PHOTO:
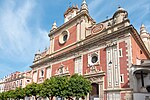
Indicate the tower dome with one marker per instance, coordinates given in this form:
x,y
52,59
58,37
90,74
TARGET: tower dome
x,y
145,36
120,10
143,29
120,15
143,32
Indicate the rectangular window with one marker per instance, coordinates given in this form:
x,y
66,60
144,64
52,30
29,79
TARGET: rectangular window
x,y
120,53
17,83
122,78
42,73
78,65
48,72
35,77
141,52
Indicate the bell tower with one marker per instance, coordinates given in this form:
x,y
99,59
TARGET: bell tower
x,y
70,13
145,36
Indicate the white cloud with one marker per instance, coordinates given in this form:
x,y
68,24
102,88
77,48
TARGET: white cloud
x,y
14,29
19,40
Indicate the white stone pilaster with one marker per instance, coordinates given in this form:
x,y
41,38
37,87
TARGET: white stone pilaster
x,y
83,29
78,31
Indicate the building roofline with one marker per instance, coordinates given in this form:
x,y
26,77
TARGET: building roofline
x,y
140,42
86,42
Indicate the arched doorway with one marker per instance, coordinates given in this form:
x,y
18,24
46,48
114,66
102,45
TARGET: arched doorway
x,y
95,91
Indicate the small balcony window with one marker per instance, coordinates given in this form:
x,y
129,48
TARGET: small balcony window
x,y
42,73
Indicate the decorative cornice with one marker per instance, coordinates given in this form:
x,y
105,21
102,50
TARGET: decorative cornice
x,y
118,89
99,73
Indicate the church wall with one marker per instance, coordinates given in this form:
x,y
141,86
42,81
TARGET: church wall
x,y
41,77
100,65
123,65
103,65
65,50
71,39
37,75
137,53
68,65
114,49
85,63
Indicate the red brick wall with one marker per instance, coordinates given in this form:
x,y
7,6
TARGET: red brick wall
x,y
86,68
103,65
123,64
45,73
85,63
39,76
72,39
68,63
136,51
65,50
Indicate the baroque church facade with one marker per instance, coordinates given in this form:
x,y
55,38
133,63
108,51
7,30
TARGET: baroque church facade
x,y
111,54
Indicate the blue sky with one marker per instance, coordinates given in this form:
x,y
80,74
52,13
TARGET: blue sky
x,y
25,24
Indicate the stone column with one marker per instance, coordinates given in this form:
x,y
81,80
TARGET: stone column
x,y
83,28
51,44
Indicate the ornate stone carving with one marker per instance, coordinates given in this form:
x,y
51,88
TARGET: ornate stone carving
x,y
98,28
96,79
62,71
95,75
